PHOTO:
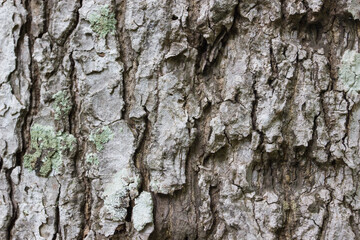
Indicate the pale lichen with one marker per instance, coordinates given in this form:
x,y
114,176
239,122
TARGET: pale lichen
x,y
117,193
143,211
92,158
101,136
349,72
103,22
46,149
354,8
62,104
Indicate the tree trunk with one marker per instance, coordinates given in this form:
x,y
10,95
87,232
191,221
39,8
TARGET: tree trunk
x,y
186,119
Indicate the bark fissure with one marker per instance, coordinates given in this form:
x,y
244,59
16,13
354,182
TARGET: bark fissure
x,y
25,30
57,233
14,214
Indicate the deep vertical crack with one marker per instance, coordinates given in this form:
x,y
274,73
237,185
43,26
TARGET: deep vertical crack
x,y
25,30
325,222
57,215
14,215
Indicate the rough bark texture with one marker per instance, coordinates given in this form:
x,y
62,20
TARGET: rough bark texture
x,y
186,119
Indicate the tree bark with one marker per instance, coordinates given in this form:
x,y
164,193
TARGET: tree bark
x,y
186,119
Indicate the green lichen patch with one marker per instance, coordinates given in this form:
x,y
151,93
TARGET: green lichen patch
x,y
349,72
101,136
92,158
46,149
103,22
62,104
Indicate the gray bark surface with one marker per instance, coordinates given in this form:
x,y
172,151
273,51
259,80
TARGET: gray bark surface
x,y
186,119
